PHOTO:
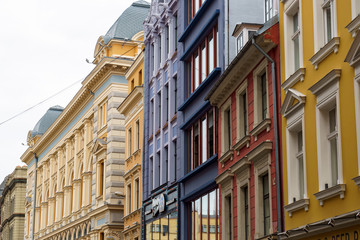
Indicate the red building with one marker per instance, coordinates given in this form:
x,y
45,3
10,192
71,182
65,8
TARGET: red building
x,y
249,154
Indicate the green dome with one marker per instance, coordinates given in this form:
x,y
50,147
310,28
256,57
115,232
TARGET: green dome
x,y
129,23
45,122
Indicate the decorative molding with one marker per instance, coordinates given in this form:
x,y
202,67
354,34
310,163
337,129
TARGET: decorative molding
x,y
225,177
226,157
264,124
331,46
318,87
262,149
354,26
337,190
244,141
288,107
298,205
297,76
357,181
240,165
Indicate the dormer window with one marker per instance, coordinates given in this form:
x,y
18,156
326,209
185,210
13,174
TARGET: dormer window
x,y
243,32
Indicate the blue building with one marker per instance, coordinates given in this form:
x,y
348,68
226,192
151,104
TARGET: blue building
x,y
160,172
200,49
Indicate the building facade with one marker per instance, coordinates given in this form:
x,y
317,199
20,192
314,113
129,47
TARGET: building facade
x,y
161,163
201,42
12,201
76,155
132,109
319,55
249,176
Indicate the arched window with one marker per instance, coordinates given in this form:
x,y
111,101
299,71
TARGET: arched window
x,y
79,232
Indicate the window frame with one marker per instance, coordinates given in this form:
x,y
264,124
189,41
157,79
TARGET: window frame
x,y
261,70
242,125
226,127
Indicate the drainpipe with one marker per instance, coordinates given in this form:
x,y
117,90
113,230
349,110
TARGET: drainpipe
x,y
276,130
35,176
227,34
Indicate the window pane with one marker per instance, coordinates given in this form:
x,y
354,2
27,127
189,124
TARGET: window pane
x,y
173,226
196,71
266,203
203,140
301,177
246,213
156,229
210,134
196,146
328,23
203,62
211,52
213,214
332,120
334,161
197,223
205,215
164,235
263,96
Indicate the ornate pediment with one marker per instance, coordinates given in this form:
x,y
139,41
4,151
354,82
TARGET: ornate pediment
x,y
99,145
353,56
293,100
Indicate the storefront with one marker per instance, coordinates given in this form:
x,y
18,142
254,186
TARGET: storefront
x,y
161,215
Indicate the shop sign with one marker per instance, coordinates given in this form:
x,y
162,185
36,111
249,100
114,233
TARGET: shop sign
x,y
158,204
350,235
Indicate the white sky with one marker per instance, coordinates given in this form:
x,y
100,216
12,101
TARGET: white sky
x,y
43,47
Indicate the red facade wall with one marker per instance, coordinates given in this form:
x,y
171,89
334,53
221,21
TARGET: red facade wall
x,y
273,35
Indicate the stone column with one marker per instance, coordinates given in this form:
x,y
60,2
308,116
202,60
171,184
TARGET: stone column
x,y
59,199
43,215
51,203
87,188
37,216
67,186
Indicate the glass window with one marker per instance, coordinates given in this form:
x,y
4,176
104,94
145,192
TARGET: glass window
x,y
295,38
266,203
263,95
268,10
332,137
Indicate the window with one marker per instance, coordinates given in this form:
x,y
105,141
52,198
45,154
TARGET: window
x,y
202,61
260,94
102,115
268,10
159,51
175,159
226,127
240,42
159,110
101,178
266,203
175,95
246,215
151,120
166,103
228,217
140,78
355,7
132,85
332,138
295,38
193,6
151,174
130,141
128,196
137,193
204,216
166,153
167,41
137,129
176,32
243,113
158,174
328,14
201,140
152,62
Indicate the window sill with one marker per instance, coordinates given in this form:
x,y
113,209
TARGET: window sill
x,y
173,118
132,214
299,75
165,125
151,138
265,124
157,132
244,141
331,46
228,155
298,205
337,190
357,180
195,171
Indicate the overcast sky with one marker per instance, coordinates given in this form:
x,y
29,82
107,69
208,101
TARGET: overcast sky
x,y
43,47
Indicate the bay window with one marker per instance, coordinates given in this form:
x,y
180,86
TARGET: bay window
x,y
201,140
202,61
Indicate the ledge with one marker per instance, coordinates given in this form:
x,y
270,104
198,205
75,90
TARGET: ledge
x,y
354,26
195,116
194,20
262,149
299,75
298,205
337,190
228,155
244,141
264,124
325,81
214,73
357,180
203,166
240,165
224,177
132,214
331,46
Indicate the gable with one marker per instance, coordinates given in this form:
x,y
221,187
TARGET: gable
x,y
353,56
293,100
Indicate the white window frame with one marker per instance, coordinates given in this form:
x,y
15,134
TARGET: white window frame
x,y
239,111
240,41
262,167
225,107
263,67
357,111
320,29
242,180
327,99
295,123
291,8
355,8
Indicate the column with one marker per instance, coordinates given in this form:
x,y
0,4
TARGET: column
x,y
67,186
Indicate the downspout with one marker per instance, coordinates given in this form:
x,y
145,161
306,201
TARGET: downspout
x,y
35,176
227,35
276,130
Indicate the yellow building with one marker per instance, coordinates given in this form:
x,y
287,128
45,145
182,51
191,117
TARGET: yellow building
x,y
76,155
321,122
12,200
132,109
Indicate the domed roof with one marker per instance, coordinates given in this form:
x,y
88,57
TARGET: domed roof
x,y
45,122
130,22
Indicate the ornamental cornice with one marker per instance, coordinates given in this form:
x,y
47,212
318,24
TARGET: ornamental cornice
x,y
105,68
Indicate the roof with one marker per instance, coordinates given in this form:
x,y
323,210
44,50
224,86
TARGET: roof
x,y
130,22
2,185
45,122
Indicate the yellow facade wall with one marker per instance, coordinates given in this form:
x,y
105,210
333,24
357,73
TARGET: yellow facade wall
x,y
334,206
